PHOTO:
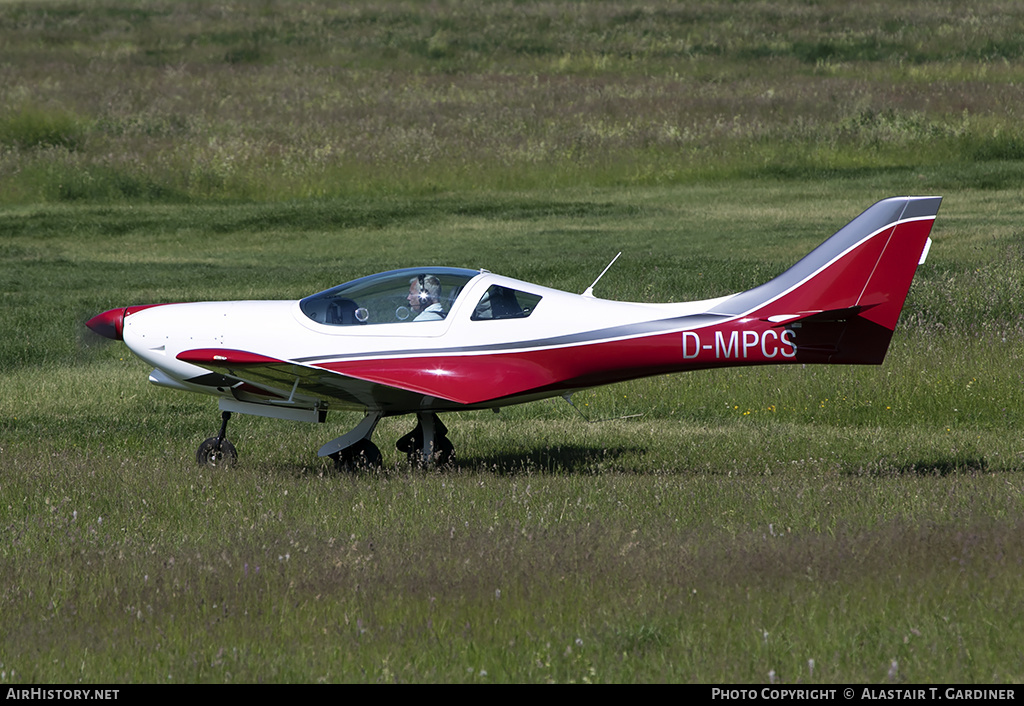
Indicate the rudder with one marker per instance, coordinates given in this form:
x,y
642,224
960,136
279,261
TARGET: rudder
x,y
844,298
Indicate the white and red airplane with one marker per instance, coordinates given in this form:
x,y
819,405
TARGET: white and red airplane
x,y
426,340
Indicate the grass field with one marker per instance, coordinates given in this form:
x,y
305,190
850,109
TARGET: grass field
x,y
786,525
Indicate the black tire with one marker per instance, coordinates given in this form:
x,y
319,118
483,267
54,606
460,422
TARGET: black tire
x,y
444,453
362,455
216,454
411,441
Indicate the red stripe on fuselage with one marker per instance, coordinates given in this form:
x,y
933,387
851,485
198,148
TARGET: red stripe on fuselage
x,y
473,379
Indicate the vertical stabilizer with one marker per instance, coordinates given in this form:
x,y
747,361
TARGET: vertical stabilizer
x,y
844,298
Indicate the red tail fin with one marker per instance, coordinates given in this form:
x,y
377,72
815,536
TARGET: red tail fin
x,y
843,300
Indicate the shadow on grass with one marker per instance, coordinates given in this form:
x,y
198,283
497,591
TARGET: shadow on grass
x,y
931,467
568,459
560,460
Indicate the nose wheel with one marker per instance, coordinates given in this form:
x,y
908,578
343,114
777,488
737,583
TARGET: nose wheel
x,y
217,452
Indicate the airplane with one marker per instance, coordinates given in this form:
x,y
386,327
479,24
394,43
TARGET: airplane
x,y
429,340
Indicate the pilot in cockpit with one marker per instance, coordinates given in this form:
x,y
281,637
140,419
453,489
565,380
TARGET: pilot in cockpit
x,y
425,298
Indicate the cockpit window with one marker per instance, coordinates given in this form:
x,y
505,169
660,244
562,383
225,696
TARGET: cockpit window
x,y
504,303
414,294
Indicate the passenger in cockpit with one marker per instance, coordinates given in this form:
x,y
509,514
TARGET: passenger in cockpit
x,y
425,298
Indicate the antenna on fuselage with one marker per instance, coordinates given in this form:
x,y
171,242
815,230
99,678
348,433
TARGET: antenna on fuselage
x,y
590,289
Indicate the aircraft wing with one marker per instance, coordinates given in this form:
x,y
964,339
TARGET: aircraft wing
x,y
395,384
294,380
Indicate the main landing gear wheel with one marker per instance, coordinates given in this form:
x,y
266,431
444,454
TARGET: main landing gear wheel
x,y
218,452
362,455
412,444
444,452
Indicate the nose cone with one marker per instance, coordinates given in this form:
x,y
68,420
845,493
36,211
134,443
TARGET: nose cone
x,y
109,324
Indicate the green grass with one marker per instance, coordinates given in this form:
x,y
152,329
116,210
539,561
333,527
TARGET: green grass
x,y
858,516
789,524
157,572
113,101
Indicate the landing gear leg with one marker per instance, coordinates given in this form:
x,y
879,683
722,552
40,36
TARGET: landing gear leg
x,y
218,452
354,451
428,443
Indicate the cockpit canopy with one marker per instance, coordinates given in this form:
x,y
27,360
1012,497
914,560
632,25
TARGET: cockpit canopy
x,y
411,294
